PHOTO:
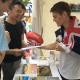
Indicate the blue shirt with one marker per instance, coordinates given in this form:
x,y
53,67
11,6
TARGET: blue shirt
x,y
3,39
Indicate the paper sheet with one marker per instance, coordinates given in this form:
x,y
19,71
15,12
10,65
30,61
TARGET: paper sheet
x,y
30,47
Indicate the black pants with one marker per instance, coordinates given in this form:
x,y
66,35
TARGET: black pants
x,y
9,69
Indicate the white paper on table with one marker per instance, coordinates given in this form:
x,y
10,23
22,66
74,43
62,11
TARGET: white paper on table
x,y
30,47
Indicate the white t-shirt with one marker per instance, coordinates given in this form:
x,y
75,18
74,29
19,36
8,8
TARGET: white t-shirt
x,y
69,66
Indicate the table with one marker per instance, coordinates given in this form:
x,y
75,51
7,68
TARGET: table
x,y
48,62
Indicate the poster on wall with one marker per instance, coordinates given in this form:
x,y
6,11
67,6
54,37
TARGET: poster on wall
x,y
28,17
75,7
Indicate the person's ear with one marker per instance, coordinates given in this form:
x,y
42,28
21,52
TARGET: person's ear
x,y
64,14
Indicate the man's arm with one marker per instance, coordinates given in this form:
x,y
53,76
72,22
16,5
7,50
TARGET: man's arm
x,y
15,52
2,55
51,46
54,46
24,43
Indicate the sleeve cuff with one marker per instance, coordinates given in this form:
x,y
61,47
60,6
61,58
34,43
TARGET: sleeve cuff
x,y
66,48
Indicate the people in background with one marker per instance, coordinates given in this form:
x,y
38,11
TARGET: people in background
x,y
67,41
14,26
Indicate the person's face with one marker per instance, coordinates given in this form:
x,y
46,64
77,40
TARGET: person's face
x,y
5,5
17,12
58,18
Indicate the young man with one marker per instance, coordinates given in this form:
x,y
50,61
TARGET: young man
x,y
14,26
67,41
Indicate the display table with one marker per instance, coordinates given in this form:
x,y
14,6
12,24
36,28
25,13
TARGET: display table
x,y
53,68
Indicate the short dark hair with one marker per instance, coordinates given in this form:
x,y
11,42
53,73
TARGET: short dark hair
x,y
60,7
4,1
17,3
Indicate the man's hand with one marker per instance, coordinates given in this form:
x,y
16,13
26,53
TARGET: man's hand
x,y
34,43
58,47
17,52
